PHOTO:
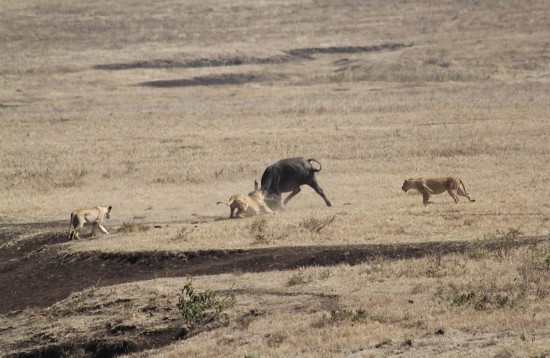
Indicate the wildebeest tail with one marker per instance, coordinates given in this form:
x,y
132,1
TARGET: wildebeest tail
x,y
313,160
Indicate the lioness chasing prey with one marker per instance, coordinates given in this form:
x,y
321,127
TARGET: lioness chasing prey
x,y
428,186
247,205
254,203
86,217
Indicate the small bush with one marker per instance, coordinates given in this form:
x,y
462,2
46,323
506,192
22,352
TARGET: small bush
x,y
481,301
202,307
263,233
299,278
503,243
342,315
258,229
463,298
183,233
133,227
74,179
245,321
274,340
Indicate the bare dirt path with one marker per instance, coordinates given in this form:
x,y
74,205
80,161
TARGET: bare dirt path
x,y
35,273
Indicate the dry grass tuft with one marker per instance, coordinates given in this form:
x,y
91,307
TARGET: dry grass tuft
x,y
264,231
132,227
315,224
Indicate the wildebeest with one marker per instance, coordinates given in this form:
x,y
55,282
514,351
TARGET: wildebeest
x,y
287,175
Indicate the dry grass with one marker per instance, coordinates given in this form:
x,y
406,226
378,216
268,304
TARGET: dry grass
x,y
465,93
379,308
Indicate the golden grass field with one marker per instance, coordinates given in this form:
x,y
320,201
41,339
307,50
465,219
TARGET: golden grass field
x,y
161,109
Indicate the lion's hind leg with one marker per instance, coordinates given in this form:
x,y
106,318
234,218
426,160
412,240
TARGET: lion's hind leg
x,y
240,213
76,226
462,192
452,193
241,210
71,228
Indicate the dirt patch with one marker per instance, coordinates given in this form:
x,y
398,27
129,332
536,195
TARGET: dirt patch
x,y
115,341
214,80
36,273
195,63
308,51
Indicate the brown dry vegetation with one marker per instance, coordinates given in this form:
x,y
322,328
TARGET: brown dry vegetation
x,y
161,109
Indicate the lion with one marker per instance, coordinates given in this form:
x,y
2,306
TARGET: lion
x,y
86,217
428,186
247,205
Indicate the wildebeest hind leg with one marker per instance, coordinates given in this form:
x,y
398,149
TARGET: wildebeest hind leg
x,y
275,202
320,191
292,195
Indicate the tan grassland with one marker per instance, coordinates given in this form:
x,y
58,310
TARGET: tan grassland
x,y
163,108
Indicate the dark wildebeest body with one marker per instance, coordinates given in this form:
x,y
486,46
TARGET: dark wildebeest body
x,y
287,175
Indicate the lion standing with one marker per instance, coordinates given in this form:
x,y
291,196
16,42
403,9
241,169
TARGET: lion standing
x,y
428,186
90,216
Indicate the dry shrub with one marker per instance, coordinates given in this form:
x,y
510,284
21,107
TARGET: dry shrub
x,y
274,340
263,232
202,307
299,278
187,177
404,72
132,227
511,277
341,315
47,179
74,179
183,233
314,224
302,276
246,319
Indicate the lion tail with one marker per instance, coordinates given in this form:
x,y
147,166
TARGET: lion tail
x,y
224,202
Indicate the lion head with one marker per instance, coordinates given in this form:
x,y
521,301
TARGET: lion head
x,y
408,184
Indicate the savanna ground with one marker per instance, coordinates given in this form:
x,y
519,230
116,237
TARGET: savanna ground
x,y
161,109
